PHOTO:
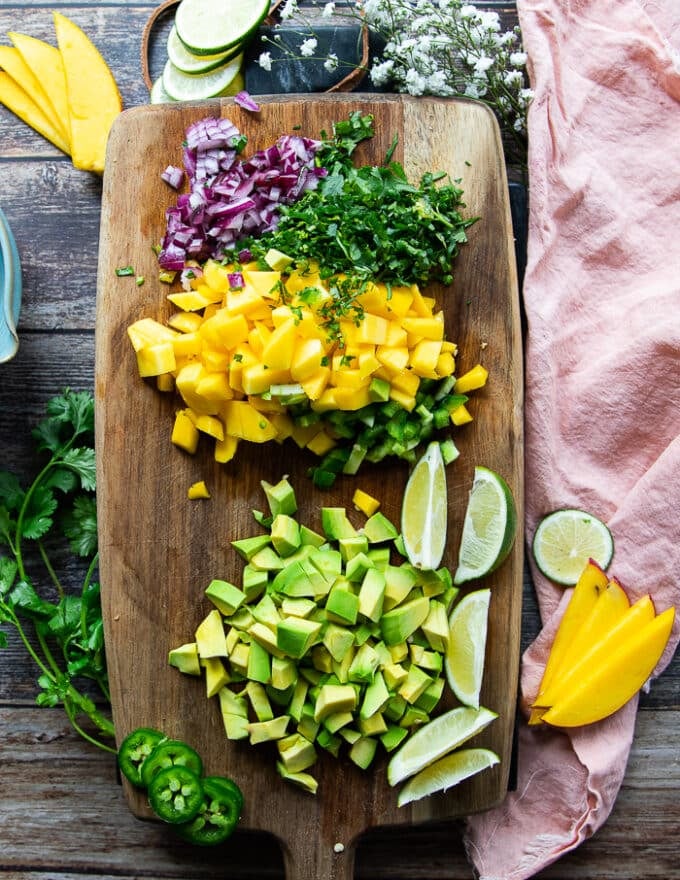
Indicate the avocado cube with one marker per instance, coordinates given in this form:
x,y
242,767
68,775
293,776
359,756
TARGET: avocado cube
x,y
364,664
329,741
253,582
297,752
265,637
216,675
337,721
308,537
436,627
416,683
235,726
304,781
413,717
399,581
350,734
379,529
285,534
319,582
342,604
210,636
356,568
337,640
430,661
185,658
399,546
375,696
277,260
379,390
321,658
328,563
248,547
372,594
295,635
335,523
266,612
259,664
394,708
393,737
280,497
373,726
449,597
232,704
431,582
292,580
398,652
239,658
265,731
341,669
241,619
401,622
362,633
259,701
431,696
334,698
363,752
297,606
297,700
395,675
267,559
380,557
225,597
383,652
351,547
307,726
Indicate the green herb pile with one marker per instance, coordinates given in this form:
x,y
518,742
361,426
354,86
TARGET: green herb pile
x,y
369,221
63,634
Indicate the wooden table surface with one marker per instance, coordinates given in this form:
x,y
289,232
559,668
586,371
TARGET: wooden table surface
x,y
62,812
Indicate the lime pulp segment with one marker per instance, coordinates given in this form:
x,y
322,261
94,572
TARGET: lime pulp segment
x,y
564,542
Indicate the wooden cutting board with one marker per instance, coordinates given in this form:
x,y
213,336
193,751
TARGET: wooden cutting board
x,y
158,550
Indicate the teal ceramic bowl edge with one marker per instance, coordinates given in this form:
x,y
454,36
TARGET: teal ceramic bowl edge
x,y
10,291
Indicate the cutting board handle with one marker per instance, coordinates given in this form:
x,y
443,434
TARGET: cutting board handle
x,y
307,857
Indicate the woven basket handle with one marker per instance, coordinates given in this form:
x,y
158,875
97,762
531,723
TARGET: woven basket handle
x,y
346,84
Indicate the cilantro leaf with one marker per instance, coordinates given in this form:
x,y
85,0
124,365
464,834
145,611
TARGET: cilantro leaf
x,y
80,525
37,519
82,462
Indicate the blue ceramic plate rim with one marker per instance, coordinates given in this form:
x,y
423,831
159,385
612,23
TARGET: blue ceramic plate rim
x,y
10,291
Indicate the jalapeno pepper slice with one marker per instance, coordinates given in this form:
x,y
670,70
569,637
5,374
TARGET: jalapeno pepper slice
x,y
176,794
218,814
135,749
170,753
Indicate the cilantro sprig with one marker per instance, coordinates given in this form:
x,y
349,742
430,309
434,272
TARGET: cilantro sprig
x,y
64,636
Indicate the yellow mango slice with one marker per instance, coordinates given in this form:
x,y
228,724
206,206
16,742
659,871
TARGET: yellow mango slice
x,y
12,62
23,106
588,587
93,97
618,678
636,616
48,67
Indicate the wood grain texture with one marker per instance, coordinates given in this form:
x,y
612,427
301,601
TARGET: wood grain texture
x,y
158,552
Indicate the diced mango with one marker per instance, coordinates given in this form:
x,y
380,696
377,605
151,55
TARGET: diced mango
x,y
184,433
185,322
372,329
210,425
245,422
153,360
472,380
424,357
224,330
215,387
461,415
364,502
321,443
198,490
225,449
306,359
146,331
266,284
278,351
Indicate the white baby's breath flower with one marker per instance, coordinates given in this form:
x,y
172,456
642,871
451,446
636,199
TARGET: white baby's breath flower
x,y
415,82
468,11
381,73
331,63
265,61
508,38
483,64
308,47
288,10
513,78
518,59
328,10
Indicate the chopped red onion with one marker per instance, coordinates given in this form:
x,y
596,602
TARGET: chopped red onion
x,y
173,176
244,99
236,281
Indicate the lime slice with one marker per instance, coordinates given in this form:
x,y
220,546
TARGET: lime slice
x,y
564,542
447,773
158,95
187,62
437,738
424,511
207,27
464,660
488,528
197,87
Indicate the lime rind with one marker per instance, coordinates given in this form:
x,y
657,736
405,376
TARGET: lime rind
x,y
187,62
207,27
446,773
424,511
489,526
566,539
436,739
465,655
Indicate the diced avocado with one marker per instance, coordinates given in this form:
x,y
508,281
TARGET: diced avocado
x,y
248,547
297,701
342,605
399,623
399,546
285,534
279,697
350,734
356,455
335,722
335,523
318,581
431,696
185,658
334,698
235,726
242,619
267,559
295,635
232,704
413,717
378,529
259,664
375,696
373,726
395,675
449,597
265,637
239,658
395,708
328,563
280,497
265,731
338,640
329,741
307,726
393,737
265,611
210,636
398,651
399,581
277,260
363,752
350,547
259,701
383,652
304,781
322,658
232,639
429,661
436,626
216,675
364,664
297,753
225,596
372,594
363,633
253,582
308,537
449,450
380,557
357,566
416,683
294,606
293,580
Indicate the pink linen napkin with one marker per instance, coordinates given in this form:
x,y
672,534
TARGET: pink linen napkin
x,y
602,298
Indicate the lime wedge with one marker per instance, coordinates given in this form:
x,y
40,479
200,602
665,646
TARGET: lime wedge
x,y
207,27
424,511
437,738
464,660
197,87
447,773
488,528
187,62
564,542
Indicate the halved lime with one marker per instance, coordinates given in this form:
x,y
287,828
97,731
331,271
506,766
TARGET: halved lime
x,y
464,660
424,511
564,542
197,87
207,27
488,528
187,62
437,738
447,773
